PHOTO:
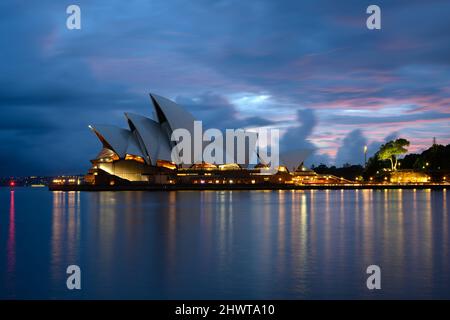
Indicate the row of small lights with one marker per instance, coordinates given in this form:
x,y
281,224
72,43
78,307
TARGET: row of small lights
x,y
216,181
385,178
63,181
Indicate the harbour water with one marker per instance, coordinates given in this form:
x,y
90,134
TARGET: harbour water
x,y
313,244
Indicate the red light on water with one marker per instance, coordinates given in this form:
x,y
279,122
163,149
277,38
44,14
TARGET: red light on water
x,y
12,183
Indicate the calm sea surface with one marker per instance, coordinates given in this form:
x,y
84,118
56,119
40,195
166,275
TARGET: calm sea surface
x,y
224,244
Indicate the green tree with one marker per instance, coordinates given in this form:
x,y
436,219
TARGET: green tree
x,y
392,149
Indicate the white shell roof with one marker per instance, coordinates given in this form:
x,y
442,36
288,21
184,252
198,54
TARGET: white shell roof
x,y
121,141
155,140
171,114
150,139
176,116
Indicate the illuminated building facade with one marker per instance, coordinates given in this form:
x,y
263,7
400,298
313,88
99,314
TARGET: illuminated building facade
x,y
408,176
142,153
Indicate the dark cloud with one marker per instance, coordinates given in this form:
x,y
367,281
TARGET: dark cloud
x,y
217,111
351,149
297,137
314,55
295,146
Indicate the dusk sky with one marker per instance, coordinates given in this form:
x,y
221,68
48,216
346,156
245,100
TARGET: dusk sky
x,y
309,68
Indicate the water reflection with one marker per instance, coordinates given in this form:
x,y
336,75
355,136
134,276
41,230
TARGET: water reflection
x,y
281,232
65,233
172,231
276,241
444,224
239,244
11,244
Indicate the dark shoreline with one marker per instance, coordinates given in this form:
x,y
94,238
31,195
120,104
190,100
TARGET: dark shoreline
x,y
203,187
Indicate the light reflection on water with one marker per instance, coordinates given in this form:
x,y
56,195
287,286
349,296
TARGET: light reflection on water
x,y
65,232
225,244
11,243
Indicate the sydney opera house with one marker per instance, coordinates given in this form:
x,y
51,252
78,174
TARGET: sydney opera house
x,y
142,154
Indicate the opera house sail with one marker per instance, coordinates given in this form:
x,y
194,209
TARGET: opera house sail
x,y
145,153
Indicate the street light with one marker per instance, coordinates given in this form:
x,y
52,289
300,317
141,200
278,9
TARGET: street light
x,y
365,156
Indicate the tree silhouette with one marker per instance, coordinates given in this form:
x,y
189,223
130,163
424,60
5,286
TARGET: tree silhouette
x,y
392,149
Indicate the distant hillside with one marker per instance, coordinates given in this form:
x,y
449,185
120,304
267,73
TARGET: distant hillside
x,y
434,161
